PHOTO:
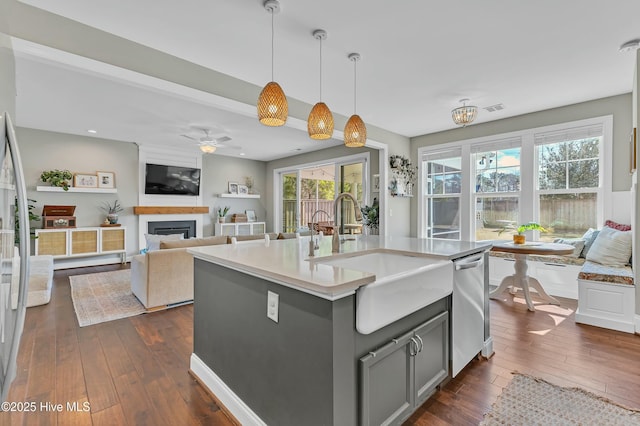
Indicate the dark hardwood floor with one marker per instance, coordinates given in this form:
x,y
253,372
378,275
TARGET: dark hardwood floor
x,y
134,371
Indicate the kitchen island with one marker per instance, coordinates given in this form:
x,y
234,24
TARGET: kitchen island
x,y
277,339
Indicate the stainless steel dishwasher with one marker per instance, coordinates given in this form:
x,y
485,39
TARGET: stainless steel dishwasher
x,y
467,320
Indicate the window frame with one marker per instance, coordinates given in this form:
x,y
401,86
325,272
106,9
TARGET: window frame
x,y
529,204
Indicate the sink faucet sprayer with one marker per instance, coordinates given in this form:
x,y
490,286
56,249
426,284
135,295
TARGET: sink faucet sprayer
x,y
335,243
313,244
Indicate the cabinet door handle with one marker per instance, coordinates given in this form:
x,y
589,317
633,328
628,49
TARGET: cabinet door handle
x,y
421,343
411,347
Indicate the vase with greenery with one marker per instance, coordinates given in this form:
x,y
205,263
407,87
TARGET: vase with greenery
x,y
519,237
371,217
59,178
222,212
112,211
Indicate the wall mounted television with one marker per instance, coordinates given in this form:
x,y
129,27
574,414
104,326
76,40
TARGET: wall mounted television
x,y
171,180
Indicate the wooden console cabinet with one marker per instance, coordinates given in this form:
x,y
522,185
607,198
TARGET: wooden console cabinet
x,y
81,242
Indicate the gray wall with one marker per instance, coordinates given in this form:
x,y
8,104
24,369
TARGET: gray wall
x,y
43,150
217,172
311,157
7,77
618,106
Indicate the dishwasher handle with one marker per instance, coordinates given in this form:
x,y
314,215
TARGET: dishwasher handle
x,y
469,265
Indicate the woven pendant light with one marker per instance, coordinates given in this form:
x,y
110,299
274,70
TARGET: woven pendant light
x,y
355,132
320,121
273,108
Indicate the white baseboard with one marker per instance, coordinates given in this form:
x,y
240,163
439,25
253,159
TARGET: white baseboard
x,y
637,323
224,394
627,327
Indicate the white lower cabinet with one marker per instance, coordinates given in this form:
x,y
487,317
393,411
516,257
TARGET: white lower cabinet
x,y
240,228
398,377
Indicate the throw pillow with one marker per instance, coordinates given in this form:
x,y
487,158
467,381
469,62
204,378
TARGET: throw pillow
x,y
618,226
153,240
589,237
611,248
577,243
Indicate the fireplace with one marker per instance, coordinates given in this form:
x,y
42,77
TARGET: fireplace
x,y
166,227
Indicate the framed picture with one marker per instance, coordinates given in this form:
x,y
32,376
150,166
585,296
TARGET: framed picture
x,y
243,189
106,179
233,187
376,183
251,215
81,180
632,150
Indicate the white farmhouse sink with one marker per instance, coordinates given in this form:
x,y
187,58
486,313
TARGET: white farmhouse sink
x,y
403,285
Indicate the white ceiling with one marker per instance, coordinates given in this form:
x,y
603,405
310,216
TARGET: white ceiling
x,y
418,59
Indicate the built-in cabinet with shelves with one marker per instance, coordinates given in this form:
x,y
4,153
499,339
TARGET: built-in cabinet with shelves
x,y
81,242
241,228
398,377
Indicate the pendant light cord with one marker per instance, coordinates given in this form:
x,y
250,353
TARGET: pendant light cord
x,y
320,69
272,44
355,82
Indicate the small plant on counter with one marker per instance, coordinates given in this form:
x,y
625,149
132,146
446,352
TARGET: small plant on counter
x,y
59,178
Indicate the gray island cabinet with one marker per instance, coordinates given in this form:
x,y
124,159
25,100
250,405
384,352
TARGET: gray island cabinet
x,y
308,364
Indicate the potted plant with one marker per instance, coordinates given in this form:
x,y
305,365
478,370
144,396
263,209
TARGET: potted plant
x,y
112,211
59,178
519,237
371,217
32,218
222,212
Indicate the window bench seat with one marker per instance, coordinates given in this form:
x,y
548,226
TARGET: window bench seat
x,y
606,297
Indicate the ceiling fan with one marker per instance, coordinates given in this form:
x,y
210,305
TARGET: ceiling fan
x,y
208,143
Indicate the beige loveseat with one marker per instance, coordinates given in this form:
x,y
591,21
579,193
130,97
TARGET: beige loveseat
x,y
165,277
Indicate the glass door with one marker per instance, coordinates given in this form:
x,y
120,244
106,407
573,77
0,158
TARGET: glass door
x,y
289,202
350,180
14,253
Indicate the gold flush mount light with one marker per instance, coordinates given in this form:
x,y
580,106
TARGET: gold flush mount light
x,y
273,108
320,121
465,114
355,132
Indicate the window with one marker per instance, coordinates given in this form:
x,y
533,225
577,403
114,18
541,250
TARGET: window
x,y
568,181
497,188
558,176
443,186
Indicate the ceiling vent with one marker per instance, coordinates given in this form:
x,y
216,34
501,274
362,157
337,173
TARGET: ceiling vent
x,y
494,108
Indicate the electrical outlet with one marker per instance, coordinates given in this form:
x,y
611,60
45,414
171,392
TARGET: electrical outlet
x,y
272,305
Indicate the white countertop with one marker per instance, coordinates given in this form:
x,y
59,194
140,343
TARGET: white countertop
x,y
287,262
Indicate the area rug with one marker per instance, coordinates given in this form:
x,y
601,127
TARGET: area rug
x,y
532,401
104,296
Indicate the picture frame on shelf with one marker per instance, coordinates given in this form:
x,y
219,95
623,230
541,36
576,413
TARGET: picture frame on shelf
x,y
251,215
106,179
233,187
243,189
85,180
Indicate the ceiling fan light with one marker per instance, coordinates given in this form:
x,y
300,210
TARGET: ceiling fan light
x,y
465,114
207,149
355,132
320,122
273,108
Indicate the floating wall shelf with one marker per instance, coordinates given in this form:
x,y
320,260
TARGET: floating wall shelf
x,y
239,195
72,189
